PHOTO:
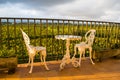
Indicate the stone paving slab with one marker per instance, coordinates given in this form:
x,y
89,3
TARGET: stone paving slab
x,y
106,70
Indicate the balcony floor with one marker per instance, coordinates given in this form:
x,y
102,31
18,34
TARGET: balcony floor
x,y
108,69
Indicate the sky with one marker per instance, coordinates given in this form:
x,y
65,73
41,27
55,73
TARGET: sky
x,y
101,10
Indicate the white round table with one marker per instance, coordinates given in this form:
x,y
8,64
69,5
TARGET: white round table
x,y
66,59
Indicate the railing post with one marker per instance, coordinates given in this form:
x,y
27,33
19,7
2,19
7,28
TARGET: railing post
x,y
46,32
52,36
63,34
57,49
86,25
82,26
40,34
0,34
68,27
119,31
15,34
90,24
8,34
28,25
78,28
73,30
63,26
34,32
105,36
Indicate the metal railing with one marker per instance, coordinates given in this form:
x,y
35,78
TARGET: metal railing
x,y
42,32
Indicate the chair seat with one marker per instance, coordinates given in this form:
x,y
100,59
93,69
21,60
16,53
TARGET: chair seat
x,y
39,48
81,44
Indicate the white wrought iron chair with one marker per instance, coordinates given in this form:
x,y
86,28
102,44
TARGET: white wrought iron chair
x,y
89,36
32,50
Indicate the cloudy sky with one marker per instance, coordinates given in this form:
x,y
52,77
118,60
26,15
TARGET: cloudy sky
x,y
103,10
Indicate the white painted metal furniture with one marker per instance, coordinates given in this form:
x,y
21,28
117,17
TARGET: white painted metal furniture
x,y
89,36
32,50
66,59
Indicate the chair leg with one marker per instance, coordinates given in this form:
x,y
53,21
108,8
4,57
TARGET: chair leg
x,y
62,66
41,58
80,58
28,62
31,68
90,49
74,52
81,52
44,59
83,55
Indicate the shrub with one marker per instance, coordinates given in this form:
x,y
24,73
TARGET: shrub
x,y
6,53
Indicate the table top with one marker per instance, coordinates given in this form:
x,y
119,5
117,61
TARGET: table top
x,y
71,37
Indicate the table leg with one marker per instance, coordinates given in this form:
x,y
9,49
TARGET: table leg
x,y
66,58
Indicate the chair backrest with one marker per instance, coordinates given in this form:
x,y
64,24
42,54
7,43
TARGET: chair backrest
x,y
25,37
90,36
26,40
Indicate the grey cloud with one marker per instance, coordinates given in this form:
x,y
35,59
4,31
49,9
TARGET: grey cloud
x,y
35,3
92,9
110,5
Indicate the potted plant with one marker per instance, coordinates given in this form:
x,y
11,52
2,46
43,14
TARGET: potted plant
x,y
101,53
8,60
96,53
116,48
